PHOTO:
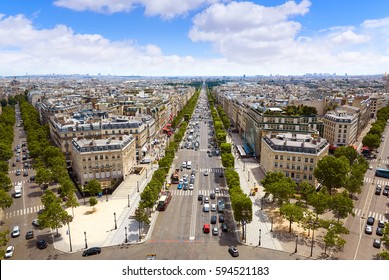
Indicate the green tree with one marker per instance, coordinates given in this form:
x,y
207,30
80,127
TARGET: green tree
x,y
43,176
332,172
279,186
4,167
291,212
228,160
54,216
306,190
93,187
5,182
141,217
373,141
348,151
355,179
341,204
333,236
320,202
5,152
72,201
225,148
93,201
5,199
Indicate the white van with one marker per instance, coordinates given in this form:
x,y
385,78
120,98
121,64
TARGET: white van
x,y
18,190
188,165
184,164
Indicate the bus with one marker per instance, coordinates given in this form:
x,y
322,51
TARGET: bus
x,y
380,172
164,200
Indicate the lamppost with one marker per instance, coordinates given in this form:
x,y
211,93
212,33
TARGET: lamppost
x,y
244,215
83,194
70,239
313,236
259,240
295,249
125,233
271,225
106,194
248,175
137,185
114,217
262,203
128,199
244,166
86,244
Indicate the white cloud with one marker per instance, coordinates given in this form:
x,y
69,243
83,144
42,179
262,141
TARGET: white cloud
x,y
349,37
165,8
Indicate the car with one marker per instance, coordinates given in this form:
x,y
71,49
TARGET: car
x,y
224,227
25,165
206,228
213,219
212,195
217,190
379,231
381,224
200,197
206,207
29,234
18,159
191,181
190,187
15,231
210,154
40,211
35,222
378,190
206,199
377,243
32,178
386,190
370,221
370,167
25,173
221,218
91,251
213,207
368,229
9,252
41,244
215,231
233,251
205,173
13,164
18,172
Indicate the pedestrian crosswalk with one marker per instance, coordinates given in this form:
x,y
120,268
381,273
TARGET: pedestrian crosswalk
x,y
21,212
382,182
378,216
176,192
23,182
212,170
382,161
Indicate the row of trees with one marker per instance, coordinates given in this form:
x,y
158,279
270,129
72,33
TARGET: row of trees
x,y
151,192
7,122
241,204
373,137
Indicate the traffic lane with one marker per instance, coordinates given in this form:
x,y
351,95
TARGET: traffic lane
x,y
191,250
367,251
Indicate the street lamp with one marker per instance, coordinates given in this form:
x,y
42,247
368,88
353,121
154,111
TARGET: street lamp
x,y
248,175
313,236
70,239
114,217
128,199
271,225
137,185
86,244
295,249
106,194
259,240
125,233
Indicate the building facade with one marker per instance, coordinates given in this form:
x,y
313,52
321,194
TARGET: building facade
x,y
340,128
295,155
104,159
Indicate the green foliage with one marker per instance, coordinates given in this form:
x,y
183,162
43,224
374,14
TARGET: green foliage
x,y
341,204
332,172
306,190
373,141
93,201
5,199
348,151
93,187
242,207
291,212
320,202
54,216
5,182
279,186
228,160
225,148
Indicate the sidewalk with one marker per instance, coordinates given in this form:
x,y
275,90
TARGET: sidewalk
x,y
108,223
267,227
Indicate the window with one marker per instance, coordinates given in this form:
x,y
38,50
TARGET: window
x,y
288,157
96,157
293,166
281,157
294,158
276,164
281,165
306,159
287,174
299,159
305,168
101,157
310,177
311,168
287,165
298,167
276,157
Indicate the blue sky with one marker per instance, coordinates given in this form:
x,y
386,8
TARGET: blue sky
x,y
194,37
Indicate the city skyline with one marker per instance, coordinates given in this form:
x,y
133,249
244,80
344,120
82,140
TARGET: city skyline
x,y
192,38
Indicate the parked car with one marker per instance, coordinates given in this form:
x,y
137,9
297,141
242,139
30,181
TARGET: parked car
x,y
35,222
379,231
15,231
377,243
386,190
32,178
41,244
233,251
221,218
200,197
215,231
213,207
378,190
91,251
368,229
213,219
9,252
370,221
18,172
224,227
381,224
29,234
212,195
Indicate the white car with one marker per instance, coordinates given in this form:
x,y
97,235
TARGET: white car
x,y
9,252
190,187
217,190
15,231
370,167
205,173
213,207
